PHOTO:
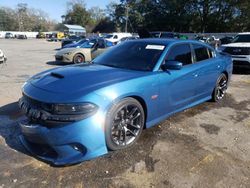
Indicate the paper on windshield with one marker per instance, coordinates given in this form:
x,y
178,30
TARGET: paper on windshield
x,y
155,47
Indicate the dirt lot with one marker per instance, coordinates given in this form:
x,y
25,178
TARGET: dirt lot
x,y
206,146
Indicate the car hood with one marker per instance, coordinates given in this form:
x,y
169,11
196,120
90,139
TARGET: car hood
x,y
238,44
81,78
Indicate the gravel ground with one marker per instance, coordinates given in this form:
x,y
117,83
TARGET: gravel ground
x,y
206,146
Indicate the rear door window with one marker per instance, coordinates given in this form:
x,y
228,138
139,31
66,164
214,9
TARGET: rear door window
x,y
181,53
202,52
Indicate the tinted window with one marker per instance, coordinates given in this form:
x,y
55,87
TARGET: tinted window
x,y
181,53
167,35
242,38
135,55
100,44
201,52
109,36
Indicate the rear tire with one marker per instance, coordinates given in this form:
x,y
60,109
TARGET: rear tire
x,y
78,58
124,124
220,88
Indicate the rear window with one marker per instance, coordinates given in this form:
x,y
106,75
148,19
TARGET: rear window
x,y
201,52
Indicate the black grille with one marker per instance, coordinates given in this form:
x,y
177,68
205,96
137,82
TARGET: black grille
x,y
43,114
32,102
59,58
241,63
237,50
37,104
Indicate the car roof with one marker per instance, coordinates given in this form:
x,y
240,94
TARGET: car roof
x,y
157,40
166,41
245,33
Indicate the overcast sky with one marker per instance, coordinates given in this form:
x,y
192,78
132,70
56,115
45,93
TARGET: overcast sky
x,y
54,8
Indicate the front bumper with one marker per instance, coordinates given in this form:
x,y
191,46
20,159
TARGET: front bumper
x,y
66,144
63,58
241,61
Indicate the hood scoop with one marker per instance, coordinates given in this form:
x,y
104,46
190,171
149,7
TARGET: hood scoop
x,y
53,74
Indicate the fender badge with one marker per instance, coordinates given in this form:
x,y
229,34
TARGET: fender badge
x,y
153,97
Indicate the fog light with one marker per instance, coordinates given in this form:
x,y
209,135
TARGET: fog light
x,y
78,147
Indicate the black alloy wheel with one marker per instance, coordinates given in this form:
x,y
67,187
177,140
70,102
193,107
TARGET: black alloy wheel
x,y
124,124
221,88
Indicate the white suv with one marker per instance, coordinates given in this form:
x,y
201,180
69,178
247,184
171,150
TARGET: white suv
x,y
239,49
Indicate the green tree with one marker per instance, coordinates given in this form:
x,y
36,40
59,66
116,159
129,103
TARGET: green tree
x,y
105,25
8,21
78,14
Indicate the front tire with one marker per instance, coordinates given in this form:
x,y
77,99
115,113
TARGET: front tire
x,y
220,88
124,124
78,58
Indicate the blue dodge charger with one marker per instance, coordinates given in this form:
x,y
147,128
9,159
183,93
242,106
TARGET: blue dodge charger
x,y
79,112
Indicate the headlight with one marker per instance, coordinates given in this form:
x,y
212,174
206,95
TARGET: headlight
x,y
68,53
74,109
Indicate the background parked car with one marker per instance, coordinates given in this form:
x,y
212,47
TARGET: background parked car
x,y
163,34
21,36
75,44
2,57
239,49
127,38
211,40
226,40
144,33
9,36
85,53
116,37
41,35
71,39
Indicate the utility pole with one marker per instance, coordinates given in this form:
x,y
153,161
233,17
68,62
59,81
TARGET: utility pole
x,y
126,26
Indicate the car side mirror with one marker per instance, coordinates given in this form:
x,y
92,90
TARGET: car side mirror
x,y
172,65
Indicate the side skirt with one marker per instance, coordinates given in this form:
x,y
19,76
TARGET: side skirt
x,y
164,117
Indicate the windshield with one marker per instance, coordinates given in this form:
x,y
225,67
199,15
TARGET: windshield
x,y
241,38
134,55
89,44
80,42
